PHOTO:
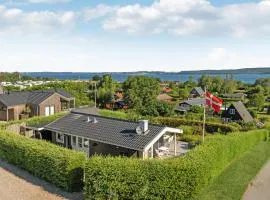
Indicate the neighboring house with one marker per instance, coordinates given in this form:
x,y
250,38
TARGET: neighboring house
x,y
165,98
187,105
16,105
166,89
238,96
196,92
237,112
107,136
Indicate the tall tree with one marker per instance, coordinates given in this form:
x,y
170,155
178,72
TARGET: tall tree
x,y
140,91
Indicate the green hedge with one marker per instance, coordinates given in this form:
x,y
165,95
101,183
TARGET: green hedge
x,y
57,165
209,126
176,178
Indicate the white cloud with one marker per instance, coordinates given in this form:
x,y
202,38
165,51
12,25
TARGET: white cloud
x,y
48,1
17,21
193,17
100,10
23,2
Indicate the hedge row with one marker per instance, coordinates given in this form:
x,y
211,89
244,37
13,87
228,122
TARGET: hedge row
x,y
176,178
57,165
209,126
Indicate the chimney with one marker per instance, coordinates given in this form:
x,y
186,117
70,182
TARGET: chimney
x,y
144,125
95,120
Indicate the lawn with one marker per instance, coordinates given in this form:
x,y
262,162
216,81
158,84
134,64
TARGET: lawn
x,y
232,183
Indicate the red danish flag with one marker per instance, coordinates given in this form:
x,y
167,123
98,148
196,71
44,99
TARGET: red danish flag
x,y
213,102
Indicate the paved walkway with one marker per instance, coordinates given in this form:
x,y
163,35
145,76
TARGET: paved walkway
x,y
259,188
17,184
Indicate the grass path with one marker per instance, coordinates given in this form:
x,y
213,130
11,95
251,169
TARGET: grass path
x,y
233,182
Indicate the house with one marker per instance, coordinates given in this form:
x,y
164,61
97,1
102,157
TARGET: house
x,y
17,105
164,98
94,134
187,105
239,96
196,92
237,112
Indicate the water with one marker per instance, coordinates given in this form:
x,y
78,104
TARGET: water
x,y
163,76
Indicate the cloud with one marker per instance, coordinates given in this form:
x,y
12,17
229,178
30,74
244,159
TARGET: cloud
x,y
100,10
192,17
17,21
48,1
22,2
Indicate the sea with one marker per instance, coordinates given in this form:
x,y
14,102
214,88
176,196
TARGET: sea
x,y
249,78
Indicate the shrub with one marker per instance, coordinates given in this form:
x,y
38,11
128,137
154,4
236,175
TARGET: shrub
x,y
209,126
60,166
176,178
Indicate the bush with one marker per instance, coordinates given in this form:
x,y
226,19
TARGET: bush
x,y
176,178
253,113
57,165
209,126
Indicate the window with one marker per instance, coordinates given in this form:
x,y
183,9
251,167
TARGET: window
x,y
59,138
232,111
86,143
80,142
74,140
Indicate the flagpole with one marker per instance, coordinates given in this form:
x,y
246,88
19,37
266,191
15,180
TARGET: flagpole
x,y
204,115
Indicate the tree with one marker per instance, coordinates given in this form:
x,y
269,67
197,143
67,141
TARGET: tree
x,y
257,97
96,78
265,83
140,91
106,88
183,93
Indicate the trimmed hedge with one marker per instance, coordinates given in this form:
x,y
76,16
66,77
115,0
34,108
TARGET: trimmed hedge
x,y
57,165
176,178
209,126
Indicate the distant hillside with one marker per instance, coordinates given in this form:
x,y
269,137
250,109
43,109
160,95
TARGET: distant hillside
x,y
231,71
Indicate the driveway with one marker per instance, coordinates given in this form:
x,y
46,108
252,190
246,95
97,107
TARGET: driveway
x,y
259,188
17,184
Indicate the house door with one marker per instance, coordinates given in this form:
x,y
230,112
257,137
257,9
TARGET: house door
x,y
52,110
47,111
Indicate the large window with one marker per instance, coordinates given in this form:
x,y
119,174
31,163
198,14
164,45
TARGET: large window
x,y
74,140
80,142
59,138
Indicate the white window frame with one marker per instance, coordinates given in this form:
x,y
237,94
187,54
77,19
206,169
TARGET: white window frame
x,y
232,111
61,140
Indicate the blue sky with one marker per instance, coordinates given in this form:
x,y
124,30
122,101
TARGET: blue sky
x,y
129,35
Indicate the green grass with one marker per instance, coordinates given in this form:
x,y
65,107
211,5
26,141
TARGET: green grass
x,y
113,114
232,183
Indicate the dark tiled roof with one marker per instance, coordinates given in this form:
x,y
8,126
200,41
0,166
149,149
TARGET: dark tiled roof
x,y
199,90
195,102
243,112
64,93
28,97
107,130
235,95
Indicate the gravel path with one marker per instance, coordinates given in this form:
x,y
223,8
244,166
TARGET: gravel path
x,y
259,188
17,184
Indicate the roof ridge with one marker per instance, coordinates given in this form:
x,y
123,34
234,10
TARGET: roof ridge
x,y
113,118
